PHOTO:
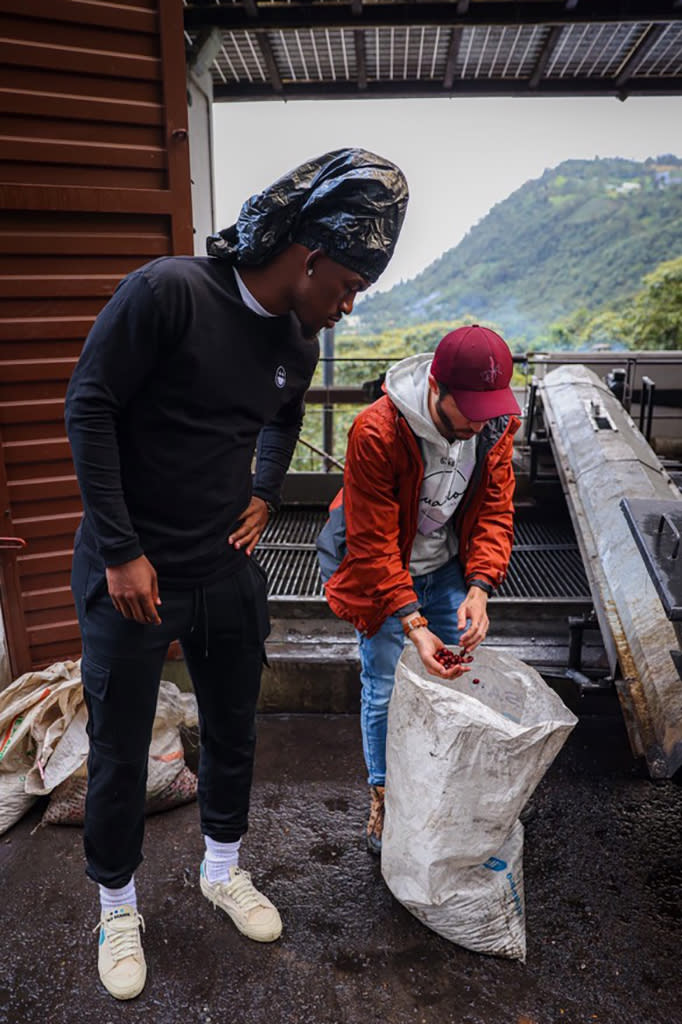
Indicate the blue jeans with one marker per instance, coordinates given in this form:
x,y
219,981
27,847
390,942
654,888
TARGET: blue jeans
x,y
440,594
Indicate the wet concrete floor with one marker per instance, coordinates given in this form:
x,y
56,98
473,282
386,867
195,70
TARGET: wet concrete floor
x,y
603,903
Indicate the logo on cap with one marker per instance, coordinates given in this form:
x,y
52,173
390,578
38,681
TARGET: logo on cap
x,y
492,373
280,377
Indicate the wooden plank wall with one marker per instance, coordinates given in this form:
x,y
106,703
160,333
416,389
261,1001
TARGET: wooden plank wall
x,y
94,181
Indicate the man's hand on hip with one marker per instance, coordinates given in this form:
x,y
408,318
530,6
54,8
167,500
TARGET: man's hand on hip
x,y
252,522
134,590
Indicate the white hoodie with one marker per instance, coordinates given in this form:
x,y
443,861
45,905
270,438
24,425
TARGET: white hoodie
x,y
447,467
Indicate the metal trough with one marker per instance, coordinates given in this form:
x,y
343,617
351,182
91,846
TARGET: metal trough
x,y
602,458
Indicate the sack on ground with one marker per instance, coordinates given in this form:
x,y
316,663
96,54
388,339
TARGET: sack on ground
x,y
44,746
463,759
34,711
67,801
170,783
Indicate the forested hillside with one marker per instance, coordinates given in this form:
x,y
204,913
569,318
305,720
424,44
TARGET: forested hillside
x,y
581,237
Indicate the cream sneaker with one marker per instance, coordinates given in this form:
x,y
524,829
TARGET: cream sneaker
x,y
251,911
121,963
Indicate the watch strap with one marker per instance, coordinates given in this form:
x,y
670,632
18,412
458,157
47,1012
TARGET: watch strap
x,y
414,622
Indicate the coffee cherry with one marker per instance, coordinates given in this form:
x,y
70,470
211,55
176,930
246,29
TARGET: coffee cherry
x,y
447,658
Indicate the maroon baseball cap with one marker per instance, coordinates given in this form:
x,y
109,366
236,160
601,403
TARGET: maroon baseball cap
x,y
475,365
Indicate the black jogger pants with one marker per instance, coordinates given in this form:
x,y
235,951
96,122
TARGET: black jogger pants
x,y
222,628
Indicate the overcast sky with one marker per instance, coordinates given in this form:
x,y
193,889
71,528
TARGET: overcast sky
x,y
460,156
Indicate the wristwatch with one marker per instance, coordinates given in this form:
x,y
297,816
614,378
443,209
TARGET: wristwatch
x,y
414,622
270,507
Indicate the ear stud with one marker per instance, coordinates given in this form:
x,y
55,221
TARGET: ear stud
x,y
310,271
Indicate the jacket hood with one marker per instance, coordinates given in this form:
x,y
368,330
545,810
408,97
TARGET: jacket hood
x,y
407,387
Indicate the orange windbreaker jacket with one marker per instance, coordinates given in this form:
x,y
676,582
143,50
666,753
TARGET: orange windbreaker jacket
x,y
364,549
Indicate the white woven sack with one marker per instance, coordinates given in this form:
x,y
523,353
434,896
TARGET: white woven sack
x,y
31,705
166,753
463,758
43,737
482,905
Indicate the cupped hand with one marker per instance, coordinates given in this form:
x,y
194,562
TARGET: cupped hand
x,y
427,644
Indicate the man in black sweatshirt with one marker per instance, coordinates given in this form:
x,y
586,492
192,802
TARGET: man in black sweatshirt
x,y
192,365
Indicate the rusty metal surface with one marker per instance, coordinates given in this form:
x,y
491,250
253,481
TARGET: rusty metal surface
x,y
601,457
94,182
603,896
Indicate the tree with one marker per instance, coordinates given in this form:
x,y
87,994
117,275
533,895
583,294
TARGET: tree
x,y
655,320
608,329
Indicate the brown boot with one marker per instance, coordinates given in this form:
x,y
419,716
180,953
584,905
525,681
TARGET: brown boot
x,y
375,824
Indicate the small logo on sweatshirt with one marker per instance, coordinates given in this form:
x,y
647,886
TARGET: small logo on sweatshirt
x,y
280,377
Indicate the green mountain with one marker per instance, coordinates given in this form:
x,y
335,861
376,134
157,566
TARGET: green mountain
x,y
582,235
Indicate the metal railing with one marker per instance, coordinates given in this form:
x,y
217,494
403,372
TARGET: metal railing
x,y
651,381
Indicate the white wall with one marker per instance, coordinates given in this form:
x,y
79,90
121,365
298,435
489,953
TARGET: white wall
x,y
200,100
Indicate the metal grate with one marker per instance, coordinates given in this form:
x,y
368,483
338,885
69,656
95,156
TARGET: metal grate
x,y
239,59
545,560
319,55
413,52
594,50
497,52
663,59
322,48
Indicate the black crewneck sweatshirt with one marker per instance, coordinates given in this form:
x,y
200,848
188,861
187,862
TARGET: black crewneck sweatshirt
x,y
176,384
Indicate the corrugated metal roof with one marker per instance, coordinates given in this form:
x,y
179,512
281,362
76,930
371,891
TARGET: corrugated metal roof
x,y
308,50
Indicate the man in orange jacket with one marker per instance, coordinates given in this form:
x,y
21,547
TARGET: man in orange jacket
x,y
422,532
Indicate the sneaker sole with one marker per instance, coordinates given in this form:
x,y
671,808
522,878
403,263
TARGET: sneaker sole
x,y
269,936
125,993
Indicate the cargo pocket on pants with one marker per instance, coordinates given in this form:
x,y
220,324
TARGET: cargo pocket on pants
x,y
262,614
95,679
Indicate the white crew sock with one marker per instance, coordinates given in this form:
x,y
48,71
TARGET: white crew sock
x,y
111,899
220,857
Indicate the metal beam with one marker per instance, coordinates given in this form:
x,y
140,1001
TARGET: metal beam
x,y
547,50
646,43
251,8
205,49
453,52
360,58
270,62
432,12
245,91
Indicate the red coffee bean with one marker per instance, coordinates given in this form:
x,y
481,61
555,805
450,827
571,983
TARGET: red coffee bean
x,y
446,658
476,681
